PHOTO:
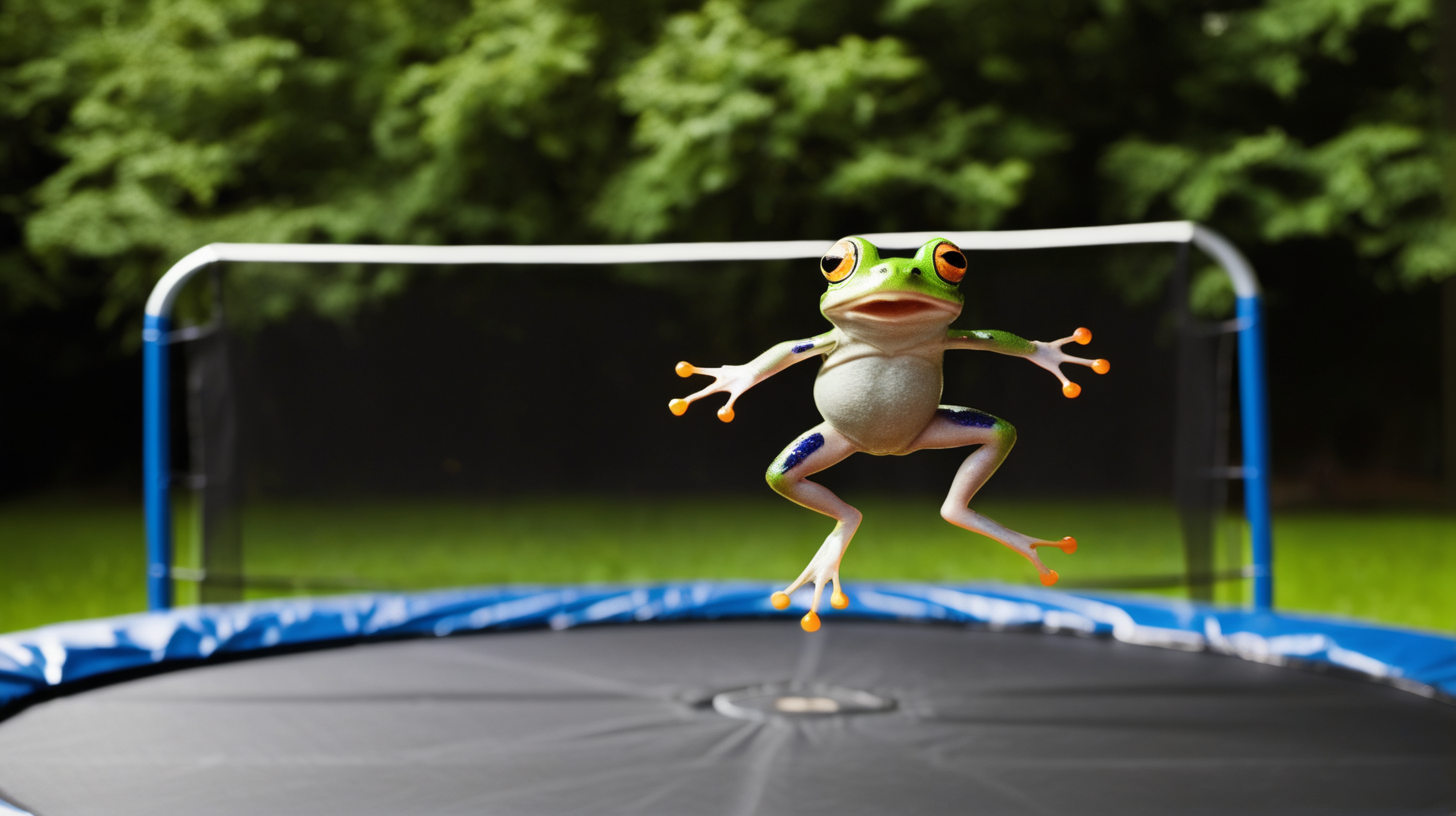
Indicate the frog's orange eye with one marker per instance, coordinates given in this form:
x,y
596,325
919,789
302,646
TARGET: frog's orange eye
x,y
950,264
839,262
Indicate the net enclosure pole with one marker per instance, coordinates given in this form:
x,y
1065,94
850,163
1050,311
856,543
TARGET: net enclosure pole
x,y
1253,400
157,460
1253,408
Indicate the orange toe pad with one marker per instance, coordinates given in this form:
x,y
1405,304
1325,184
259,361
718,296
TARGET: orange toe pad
x,y
1049,578
810,622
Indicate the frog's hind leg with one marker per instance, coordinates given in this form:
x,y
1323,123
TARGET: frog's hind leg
x,y
954,427
812,452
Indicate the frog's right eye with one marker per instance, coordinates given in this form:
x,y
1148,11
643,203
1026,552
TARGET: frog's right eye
x,y
839,261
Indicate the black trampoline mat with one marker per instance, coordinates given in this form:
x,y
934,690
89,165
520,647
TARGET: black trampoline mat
x,y
619,720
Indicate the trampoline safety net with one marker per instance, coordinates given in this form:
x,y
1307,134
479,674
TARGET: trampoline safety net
x,y
433,394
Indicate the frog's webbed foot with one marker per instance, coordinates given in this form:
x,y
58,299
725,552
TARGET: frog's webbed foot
x,y
823,569
1067,545
1023,544
732,380
1051,357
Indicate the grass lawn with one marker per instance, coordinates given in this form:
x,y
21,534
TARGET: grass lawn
x,y
62,559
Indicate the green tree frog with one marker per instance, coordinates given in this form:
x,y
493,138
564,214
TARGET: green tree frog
x,y
879,390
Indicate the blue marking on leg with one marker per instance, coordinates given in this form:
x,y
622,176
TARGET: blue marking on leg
x,y
801,348
802,451
968,418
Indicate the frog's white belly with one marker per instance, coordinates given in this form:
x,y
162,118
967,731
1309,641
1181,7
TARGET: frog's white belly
x,y
880,403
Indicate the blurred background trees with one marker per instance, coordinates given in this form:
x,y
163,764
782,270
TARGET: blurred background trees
x,y
1307,130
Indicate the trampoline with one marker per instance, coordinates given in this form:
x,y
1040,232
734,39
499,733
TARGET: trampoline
x,y
702,699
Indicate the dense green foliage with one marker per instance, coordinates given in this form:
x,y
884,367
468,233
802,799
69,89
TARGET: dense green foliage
x,y
137,130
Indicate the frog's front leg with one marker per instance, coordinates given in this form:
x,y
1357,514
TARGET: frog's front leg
x,y
816,450
735,379
954,427
1046,355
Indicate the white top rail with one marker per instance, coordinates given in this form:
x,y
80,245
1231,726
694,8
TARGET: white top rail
x,y
164,295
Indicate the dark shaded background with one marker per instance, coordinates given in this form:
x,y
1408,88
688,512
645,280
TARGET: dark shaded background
x,y
521,379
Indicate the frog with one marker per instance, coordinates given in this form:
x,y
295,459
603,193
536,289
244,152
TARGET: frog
x,y
879,392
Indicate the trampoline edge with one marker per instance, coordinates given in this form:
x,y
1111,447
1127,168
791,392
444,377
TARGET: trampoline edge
x,y
41,663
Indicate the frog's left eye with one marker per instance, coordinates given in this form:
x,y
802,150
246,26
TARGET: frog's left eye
x,y
839,261
950,263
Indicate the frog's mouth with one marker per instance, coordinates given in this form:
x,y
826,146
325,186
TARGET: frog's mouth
x,y
899,307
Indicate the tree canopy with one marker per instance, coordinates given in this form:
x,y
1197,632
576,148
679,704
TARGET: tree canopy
x,y
138,130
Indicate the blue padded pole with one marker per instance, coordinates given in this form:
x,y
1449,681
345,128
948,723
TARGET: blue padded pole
x,y
157,461
1254,408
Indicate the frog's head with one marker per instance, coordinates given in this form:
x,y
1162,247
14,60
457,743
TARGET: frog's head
x,y
881,295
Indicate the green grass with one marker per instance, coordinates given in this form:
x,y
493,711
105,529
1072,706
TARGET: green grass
x,y
1386,566
596,539
62,559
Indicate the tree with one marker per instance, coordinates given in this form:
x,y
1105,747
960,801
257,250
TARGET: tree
x,y
139,131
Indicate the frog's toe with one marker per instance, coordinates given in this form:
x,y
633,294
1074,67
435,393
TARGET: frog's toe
x,y
1049,577
1067,545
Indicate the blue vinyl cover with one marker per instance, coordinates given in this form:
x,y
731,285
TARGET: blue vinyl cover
x,y
51,657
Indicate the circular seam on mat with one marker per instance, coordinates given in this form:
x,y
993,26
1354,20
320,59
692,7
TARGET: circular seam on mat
x,y
791,701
